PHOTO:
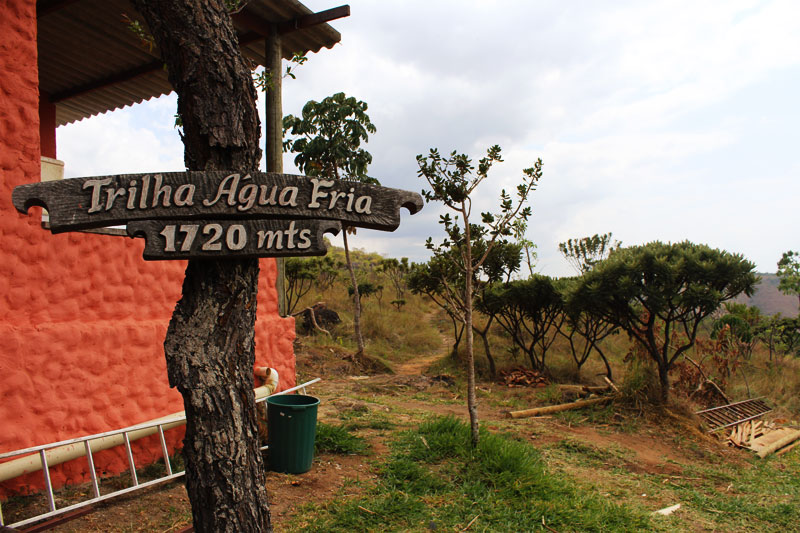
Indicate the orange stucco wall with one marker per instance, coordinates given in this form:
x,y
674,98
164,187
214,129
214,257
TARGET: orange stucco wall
x,y
83,316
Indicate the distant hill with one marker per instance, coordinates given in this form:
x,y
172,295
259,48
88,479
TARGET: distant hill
x,y
769,299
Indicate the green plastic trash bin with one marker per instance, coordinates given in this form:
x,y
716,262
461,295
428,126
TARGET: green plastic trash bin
x,y
292,428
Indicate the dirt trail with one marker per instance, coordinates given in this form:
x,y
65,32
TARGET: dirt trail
x,y
419,365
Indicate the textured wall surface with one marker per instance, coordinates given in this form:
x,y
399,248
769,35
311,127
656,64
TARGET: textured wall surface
x,y
82,316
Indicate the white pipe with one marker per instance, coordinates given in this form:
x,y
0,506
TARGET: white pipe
x,y
77,448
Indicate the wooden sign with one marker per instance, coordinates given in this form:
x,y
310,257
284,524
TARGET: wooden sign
x,y
197,239
102,201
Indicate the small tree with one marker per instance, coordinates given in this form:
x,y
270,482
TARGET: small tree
x,y
530,310
527,246
582,322
789,274
780,334
659,293
366,289
443,282
425,278
327,140
396,271
328,270
300,277
501,263
583,254
742,322
453,180
303,274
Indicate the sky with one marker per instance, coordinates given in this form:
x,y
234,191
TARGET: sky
x,y
660,120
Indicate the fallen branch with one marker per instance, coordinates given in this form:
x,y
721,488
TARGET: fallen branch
x,y
314,318
611,384
558,408
584,389
470,523
778,444
706,378
548,528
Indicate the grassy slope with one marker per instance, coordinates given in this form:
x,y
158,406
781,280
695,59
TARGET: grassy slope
x,y
430,479
579,471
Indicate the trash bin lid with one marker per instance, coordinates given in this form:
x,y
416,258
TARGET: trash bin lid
x,y
293,401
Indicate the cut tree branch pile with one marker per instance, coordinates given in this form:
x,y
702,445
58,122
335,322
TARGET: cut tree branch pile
x,y
522,377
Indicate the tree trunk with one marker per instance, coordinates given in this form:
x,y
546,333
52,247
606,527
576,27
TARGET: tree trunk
x,y
210,347
472,399
663,377
210,357
605,362
486,348
457,334
356,298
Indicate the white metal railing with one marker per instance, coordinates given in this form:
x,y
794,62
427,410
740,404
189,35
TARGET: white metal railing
x,y
135,485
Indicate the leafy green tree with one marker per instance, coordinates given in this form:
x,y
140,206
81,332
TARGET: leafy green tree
x,y
582,328
742,322
327,140
425,278
659,294
327,270
452,181
530,310
300,278
444,284
503,261
365,289
582,254
780,334
303,274
396,271
789,335
789,274
526,245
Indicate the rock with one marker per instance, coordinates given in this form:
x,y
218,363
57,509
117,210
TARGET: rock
x,y
325,318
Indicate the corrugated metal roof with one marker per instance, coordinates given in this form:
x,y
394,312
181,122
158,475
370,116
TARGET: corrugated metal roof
x,y
91,62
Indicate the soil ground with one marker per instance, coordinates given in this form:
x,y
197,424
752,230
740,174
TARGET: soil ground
x,y
406,397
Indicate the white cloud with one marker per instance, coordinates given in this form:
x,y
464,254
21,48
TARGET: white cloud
x,y
123,141
669,120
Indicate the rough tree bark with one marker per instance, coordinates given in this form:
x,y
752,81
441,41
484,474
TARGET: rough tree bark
x,y
209,345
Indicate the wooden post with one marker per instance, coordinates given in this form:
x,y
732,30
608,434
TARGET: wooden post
x,y
273,54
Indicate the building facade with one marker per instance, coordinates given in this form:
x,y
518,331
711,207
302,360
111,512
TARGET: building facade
x,y
82,315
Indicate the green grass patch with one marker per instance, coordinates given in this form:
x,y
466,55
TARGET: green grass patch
x,y
761,496
435,479
591,415
357,420
586,452
337,439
